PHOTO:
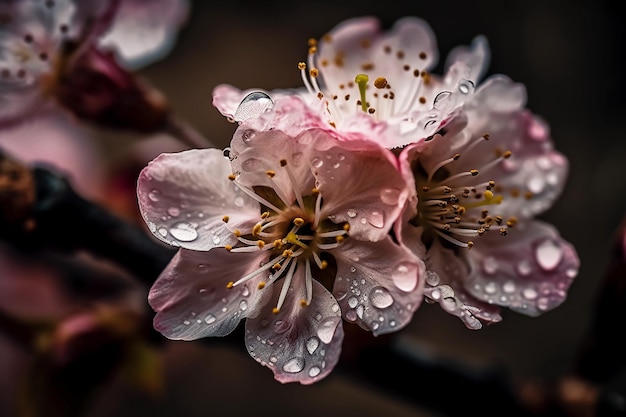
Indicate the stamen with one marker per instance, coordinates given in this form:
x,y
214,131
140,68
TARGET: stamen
x,y
294,182
255,196
441,164
285,288
308,276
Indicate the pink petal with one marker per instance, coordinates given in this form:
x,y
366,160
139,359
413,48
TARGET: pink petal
x,y
191,297
529,271
300,343
144,31
360,184
446,277
378,285
183,197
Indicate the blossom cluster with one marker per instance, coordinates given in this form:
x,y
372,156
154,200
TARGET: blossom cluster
x,y
376,186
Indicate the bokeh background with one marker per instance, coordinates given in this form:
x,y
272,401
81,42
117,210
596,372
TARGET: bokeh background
x,y
570,56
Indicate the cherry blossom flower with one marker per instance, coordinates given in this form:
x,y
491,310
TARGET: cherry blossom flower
x,y
291,234
365,81
479,184
63,52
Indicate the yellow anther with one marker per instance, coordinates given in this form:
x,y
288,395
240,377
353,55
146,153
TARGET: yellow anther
x,y
276,310
528,195
361,80
488,194
230,285
298,221
256,229
293,238
237,233
304,303
270,173
315,190
312,50
507,154
504,232
260,244
470,244
287,253
312,42
232,177
346,226
265,214
276,266
474,172
225,219
323,264
486,136
261,285
380,82
278,243
228,248
283,162
339,239
314,72
301,65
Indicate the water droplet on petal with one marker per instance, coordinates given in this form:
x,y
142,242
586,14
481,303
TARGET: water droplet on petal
x,y
376,219
353,302
186,322
243,305
571,272
294,365
466,86
173,211
253,105
351,213
380,297
490,288
154,195
536,184
523,268
508,287
317,162
314,371
490,265
312,344
390,196
239,201
440,99
326,329
529,293
184,232
251,164
216,240
432,278
163,231
548,255
405,276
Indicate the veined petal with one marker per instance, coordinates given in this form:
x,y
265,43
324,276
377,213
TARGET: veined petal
x,y
378,285
192,299
361,185
300,343
476,57
529,271
186,197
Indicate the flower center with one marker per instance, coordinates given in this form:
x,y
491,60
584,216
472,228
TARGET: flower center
x,y
457,205
348,96
293,233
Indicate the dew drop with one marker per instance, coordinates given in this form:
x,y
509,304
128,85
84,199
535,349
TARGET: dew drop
x,y
251,164
243,305
380,297
548,255
173,211
216,240
353,302
536,184
466,86
183,232
326,329
186,322
523,268
312,344
163,231
239,201
152,227
490,288
529,293
440,99
390,196
294,365
432,278
314,371
253,105
376,219
154,195
317,162
571,272
490,265
508,287
351,213
405,276
248,135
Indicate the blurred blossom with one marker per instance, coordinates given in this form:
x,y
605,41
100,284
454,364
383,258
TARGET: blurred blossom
x,y
52,52
144,31
479,183
291,234
361,80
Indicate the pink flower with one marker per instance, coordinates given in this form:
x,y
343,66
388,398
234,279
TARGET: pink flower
x,y
480,181
51,52
361,80
290,234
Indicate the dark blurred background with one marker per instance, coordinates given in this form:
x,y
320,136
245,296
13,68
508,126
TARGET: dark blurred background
x,y
569,55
